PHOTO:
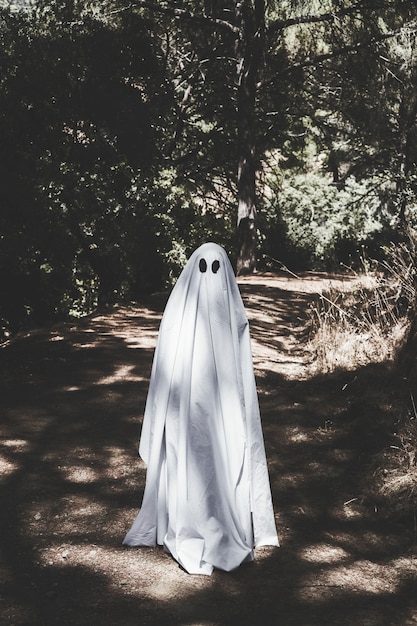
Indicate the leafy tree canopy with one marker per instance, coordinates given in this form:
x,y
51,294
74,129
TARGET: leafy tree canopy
x,y
132,132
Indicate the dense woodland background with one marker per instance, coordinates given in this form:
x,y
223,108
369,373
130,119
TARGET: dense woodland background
x,y
132,132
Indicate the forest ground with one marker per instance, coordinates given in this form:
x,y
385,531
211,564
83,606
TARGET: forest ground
x,y
71,481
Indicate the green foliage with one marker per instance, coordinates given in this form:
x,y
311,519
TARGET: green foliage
x,y
90,213
323,225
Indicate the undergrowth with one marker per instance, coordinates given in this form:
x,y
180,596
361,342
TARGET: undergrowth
x,y
364,323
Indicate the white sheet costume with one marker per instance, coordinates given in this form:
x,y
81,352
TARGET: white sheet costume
x,y
207,498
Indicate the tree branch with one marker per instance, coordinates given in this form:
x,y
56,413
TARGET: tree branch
x,y
180,14
316,60
278,25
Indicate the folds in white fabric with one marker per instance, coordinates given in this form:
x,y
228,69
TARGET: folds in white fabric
x,y
207,497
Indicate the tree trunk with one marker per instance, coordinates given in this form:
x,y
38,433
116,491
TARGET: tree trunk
x,y
251,20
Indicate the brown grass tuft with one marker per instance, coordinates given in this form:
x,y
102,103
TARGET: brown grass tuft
x,y
367,322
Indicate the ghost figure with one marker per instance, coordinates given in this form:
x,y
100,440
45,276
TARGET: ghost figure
x,y
207,497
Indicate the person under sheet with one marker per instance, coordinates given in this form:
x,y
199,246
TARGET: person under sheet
x,y
207,497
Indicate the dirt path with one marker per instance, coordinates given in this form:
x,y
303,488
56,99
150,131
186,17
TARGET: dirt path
x,y
71,483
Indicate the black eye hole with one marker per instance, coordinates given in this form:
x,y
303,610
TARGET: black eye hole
x,y
203,265
215,266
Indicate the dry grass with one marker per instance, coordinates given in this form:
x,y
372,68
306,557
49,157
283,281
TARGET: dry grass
x,y
395,469
356,326
363,323
366,320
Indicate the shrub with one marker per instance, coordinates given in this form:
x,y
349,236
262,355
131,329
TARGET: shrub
x,y
312,224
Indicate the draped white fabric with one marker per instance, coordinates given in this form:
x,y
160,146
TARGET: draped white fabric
x,y
207,497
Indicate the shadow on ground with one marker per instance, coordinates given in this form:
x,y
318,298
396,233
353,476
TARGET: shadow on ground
x,y
71,484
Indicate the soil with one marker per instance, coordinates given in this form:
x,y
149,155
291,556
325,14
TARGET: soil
x,y
71,481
